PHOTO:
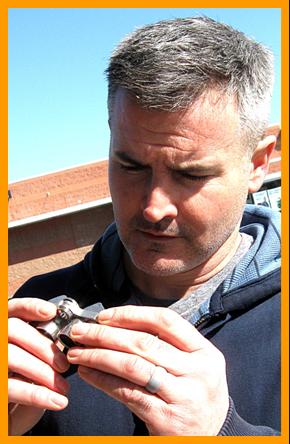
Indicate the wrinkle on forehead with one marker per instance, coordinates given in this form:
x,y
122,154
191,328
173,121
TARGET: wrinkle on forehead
x,y
209,123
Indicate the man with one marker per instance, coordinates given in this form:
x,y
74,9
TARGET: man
x,y
189,343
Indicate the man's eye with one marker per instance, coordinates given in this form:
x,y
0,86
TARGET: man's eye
x,y
132,167
194,177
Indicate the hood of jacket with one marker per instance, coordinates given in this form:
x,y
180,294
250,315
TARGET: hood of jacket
x,y
264,256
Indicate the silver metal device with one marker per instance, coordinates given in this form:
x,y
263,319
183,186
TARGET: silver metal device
x,y
68,313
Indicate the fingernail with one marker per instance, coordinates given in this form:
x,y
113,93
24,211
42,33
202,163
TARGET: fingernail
x,y
61,362
73,353
59,401
105,315
80,328
47,310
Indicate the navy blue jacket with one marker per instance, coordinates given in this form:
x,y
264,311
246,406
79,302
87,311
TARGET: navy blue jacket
x,y
242,320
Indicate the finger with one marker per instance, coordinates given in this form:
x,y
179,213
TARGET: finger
x,y
37,371
165,323
126,366
138,343
25,336
136,398
31,309
21,392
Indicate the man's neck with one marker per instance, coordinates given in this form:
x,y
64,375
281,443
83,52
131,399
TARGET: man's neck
x,y
180,284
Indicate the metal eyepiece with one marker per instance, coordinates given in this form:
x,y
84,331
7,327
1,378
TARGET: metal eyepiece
x,y
68,313
67,309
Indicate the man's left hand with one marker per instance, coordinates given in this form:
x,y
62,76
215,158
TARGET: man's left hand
x,y
122,352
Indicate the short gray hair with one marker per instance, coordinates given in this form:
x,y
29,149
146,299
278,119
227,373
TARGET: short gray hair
x,y
170,64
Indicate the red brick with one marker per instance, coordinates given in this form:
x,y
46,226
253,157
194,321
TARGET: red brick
x,y
58,190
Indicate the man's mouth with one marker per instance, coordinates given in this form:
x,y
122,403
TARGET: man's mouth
x,y
158,235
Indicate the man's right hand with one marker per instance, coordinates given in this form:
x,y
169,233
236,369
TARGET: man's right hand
x,y
35,364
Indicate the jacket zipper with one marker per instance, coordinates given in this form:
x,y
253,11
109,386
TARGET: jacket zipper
x,y
202,320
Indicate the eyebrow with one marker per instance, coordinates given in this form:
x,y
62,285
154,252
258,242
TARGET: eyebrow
x,y
196,166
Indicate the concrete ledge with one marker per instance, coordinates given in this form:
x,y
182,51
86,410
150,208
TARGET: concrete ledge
x,y
57,213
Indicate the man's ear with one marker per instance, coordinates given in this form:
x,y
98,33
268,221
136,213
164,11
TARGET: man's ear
x,y
260,162
273,130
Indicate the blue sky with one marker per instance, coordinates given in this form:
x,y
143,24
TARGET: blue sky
x,y
57,87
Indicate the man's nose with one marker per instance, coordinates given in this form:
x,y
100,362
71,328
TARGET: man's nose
x,y
158,205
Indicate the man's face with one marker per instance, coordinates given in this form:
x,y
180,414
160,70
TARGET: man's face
x,y
178,182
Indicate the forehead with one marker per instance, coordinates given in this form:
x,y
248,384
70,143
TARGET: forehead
x,y
212,122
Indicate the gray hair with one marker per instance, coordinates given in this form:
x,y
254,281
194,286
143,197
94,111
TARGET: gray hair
x,y
170,64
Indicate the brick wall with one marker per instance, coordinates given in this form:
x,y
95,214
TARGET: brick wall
x,y
58,190
55,243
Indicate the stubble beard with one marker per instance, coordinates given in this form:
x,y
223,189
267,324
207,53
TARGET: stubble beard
x,y
158,260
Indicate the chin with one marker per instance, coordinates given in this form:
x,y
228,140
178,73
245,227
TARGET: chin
x,y
161,267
